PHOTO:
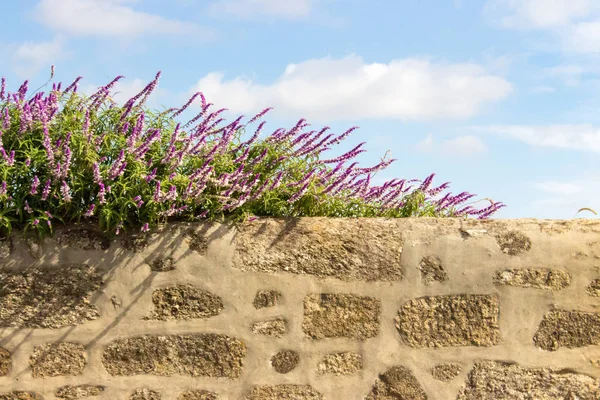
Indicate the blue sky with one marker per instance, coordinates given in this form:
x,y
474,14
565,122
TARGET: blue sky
x,y
499,97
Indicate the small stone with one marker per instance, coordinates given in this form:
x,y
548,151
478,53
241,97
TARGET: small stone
x,y
184,302
513,243
446,372
498,380
197,242
273,327
135,242
34,246
346,363
198,395
71,392
432,270
56,359
145,394
266,299
21,396
84,239
115,302
285,361
284,392
465,233
595,362
397,383
594,288
4,362
568,328
162,264
329,315
537,278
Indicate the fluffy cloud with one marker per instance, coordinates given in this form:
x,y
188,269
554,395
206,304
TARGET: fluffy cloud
x,y
348,88
575,137
29,58
461,145
289,9
108,18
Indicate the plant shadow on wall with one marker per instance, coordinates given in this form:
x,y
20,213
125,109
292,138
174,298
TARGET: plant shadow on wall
x,y
66,158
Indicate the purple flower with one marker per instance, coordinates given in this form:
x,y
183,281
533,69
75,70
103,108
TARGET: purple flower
x,y
97,175
182,109
46,191
145,227
157,193
260,115
28,162
34,185
90,210
2,88
36,222
64,191
102,193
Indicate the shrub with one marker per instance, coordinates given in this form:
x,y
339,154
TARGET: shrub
x,y
67,157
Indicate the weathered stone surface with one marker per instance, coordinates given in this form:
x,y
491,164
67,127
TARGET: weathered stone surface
x,y
397,383
503,381
538,278
446,372
211,355
447,321
595,362
285,361
432,270
6,247
346,363
135,242
84,239
198,395
273,327
568,328
266,299
50,297
4,361
593,288
349,249
330,315
284,392
21,396
71,392
184,302
145,394
162,264
513,242
197,242
56,359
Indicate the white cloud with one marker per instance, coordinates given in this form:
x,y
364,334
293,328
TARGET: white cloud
x,y
563,199
348,88
576,137
464,145
288,9
29,58
560,188
426,144
108,18
570,74
543,89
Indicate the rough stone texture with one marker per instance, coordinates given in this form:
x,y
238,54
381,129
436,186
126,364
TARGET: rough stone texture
x,y
503,381
266,299
542,278
4,361
329,315
593,288
568,328
211,355
447,321
432,270
56,359
348,249
145,394
162,264
71,392
184,302
50,297
34,245
6,247
595,362
84,239
513,243
197,242
397,383
284,392
198,395
446,372
273,327
346,363
285,361
21,396
135,242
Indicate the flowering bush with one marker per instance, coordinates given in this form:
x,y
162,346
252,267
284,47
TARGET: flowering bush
x,y
67,157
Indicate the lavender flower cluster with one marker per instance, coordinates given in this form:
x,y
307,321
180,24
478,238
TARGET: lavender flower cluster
x,y
65,156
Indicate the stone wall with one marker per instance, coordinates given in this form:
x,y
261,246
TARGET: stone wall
x,y
305,309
